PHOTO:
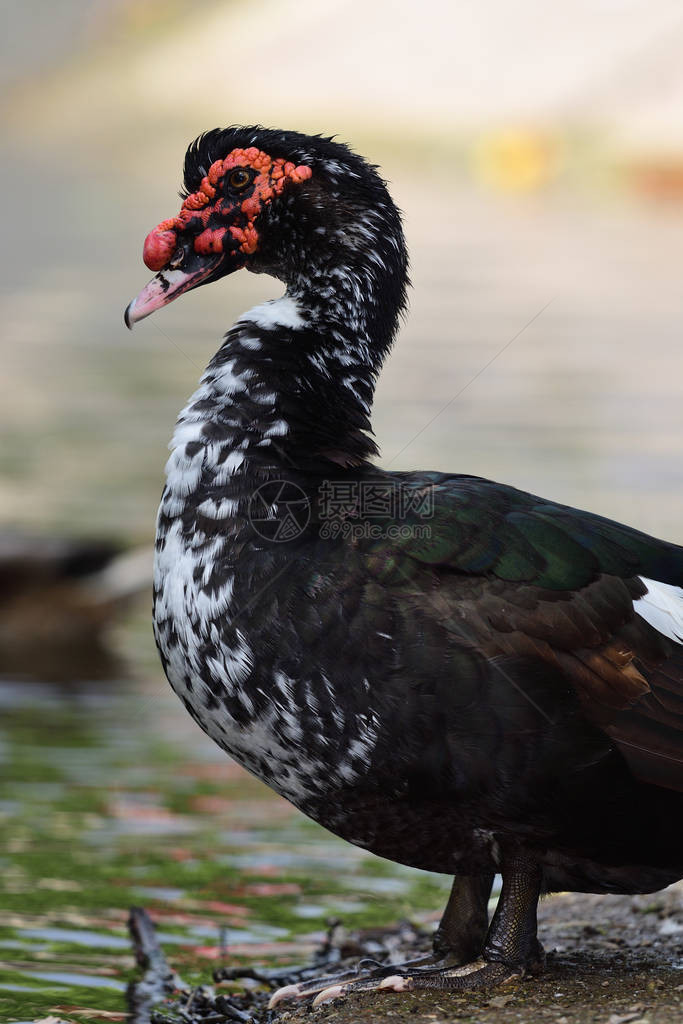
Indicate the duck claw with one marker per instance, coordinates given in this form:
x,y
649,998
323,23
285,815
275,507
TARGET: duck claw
x,y
327,995
480,974
286,992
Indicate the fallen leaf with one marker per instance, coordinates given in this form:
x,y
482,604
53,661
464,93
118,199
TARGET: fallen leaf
x,y
270,889
210,803
220,771
59,884
218,907
179,853
254,949
265,870
500,1001
85,1011
132,811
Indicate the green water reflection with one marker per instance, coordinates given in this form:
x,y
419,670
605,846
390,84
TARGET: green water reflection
x,y
110,796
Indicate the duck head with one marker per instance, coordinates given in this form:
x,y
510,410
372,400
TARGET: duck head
x,y
283,203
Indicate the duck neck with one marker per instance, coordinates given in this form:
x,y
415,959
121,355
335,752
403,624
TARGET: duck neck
x,y
288,395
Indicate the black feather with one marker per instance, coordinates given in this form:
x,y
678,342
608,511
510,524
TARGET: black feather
x,y
474,677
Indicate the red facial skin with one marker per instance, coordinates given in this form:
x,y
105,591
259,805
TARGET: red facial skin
x,y
271,178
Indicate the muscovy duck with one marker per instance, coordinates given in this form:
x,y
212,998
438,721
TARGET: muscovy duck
x,y
449,672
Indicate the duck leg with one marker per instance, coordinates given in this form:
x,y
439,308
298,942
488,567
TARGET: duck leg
x,y
462,930
458,939
460,935
509,948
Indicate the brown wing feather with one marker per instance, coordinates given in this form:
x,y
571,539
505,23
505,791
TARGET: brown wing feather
x,y
628,677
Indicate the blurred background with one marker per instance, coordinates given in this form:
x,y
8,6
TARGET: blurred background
x,y
537,153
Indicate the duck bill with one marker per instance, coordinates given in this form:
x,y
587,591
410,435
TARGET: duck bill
x,y
168,285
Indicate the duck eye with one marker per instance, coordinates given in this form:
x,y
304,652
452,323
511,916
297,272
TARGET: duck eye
x,y
239,179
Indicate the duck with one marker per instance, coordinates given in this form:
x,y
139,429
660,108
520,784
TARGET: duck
x,y
445,671
61,595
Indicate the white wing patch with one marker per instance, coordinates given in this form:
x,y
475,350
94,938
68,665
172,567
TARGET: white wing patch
x,y
662,607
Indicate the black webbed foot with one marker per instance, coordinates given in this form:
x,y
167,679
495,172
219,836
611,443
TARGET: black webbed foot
x,y
510,950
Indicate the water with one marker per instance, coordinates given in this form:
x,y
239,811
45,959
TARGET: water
x,y
111,797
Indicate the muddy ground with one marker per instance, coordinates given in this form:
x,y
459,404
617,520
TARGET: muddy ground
x,y
611,960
